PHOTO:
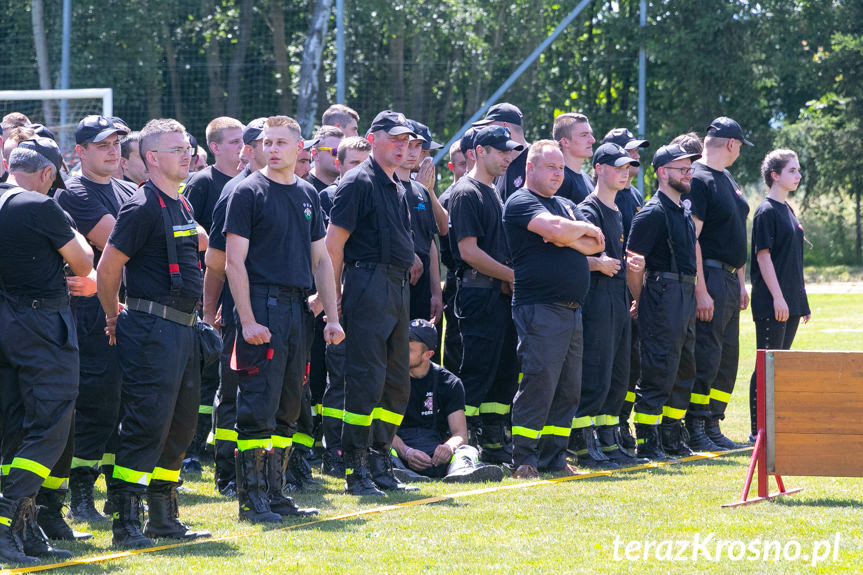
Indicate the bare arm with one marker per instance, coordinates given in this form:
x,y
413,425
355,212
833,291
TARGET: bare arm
x,y
336,239
434,281
703,301
203,238
582,236
635,281
214,281
602,263
237,248
441,216
98,236
78,254
768,272
482,262
326,285
744,296
109,276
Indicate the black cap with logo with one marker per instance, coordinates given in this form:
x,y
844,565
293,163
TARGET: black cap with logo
x,y
47,148
424,332
504,112
424,133
725,127
97,128
393,123
497,137
670,153
254,130
625,139
612,155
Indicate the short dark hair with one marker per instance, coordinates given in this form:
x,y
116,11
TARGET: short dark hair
x,y
327,131
151,134
564,123
352,143
126,143
690,141
339,114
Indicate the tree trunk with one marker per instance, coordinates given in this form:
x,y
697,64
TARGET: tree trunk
x,y
859,247
307,103
397,62
215,88
234,108
42,63
173,76
280,54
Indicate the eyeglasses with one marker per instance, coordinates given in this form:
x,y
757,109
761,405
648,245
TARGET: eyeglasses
x,y
683,171
178,151
334,152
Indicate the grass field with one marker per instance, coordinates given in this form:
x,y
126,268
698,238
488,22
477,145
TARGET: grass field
x,y
563,527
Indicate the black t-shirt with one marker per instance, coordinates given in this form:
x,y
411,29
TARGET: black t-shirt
x,y
366,202
446,256
629,201
217,228
423,225
88,202
576,186
544,272
776,228
718,202
513,179
140,234
649,236
476,211
326,196
203,190
611,223
281,222
439,392
315,181
32,228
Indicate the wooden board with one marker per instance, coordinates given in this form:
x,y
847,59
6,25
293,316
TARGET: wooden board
x,y
815,413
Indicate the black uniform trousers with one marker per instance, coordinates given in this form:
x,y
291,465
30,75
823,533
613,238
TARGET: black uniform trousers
x,y
161,363
97,409
375,305
270,380
634,370
452,348
550,344
317,383
607,333
666,316
333,402
717,346
769,334
489,367
225,406
38,386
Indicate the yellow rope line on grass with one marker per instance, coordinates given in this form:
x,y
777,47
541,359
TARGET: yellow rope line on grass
x,y
370,511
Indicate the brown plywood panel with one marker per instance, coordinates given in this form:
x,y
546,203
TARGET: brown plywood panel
x,y
829,372
818,454
817,412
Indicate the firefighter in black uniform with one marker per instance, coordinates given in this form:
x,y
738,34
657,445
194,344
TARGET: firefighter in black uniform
x,y
370,237
483,303
157,240
510,117
549,240
93,199
38,342
274,212
664,302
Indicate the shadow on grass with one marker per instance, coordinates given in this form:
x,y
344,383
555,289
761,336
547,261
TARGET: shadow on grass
x,y
820,502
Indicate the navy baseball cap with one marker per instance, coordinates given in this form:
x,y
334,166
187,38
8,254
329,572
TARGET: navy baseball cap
x,y
669,153
425,135
42,131
97,128
467,139
393,123
424,332
47,148
119,123
497,137
725,127
612,155
504,112
624,138
193,143
254,130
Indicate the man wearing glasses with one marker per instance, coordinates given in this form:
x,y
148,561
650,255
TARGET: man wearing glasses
x,y
156,338
325,170
663,294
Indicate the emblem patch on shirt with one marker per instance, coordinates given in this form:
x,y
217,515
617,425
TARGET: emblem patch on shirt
x,y
518,181
421,206
307,210
428,405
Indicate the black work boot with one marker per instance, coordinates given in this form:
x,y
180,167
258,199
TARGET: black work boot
x,y
381,467
698,440
711,426
277,463
671,436
13,517
649,445
163,513
127,504
50,516
582,444
333,463
358,478
36,543
625,438
81,504
608,439
225,473
252,487
299,467
495,445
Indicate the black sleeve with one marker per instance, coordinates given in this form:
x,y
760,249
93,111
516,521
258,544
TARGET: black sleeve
x,y
700,194
240,212
453,396
85,209
319,229
196,192
136,222
466,215
49,220
589,212
645,229
763,230
521,208
350,203
217,233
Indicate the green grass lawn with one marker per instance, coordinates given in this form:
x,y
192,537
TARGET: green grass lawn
x,y
563,527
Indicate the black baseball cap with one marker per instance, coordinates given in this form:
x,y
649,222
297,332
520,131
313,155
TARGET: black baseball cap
x,y
612,155
423,132
669,153
467,139
42,131
254,130
97,128
624,138
119,123
193,143
47,148
725,127
424,332
497,137
504,112
393,123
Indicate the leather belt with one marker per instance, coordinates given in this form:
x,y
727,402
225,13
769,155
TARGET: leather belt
x,y
682,278
721,265
568,304
162,311
39,302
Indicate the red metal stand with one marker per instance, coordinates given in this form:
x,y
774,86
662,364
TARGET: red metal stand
x,y
759,452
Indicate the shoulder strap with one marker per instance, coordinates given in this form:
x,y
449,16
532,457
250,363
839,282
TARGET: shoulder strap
x,y
170,241
674,268
8,195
